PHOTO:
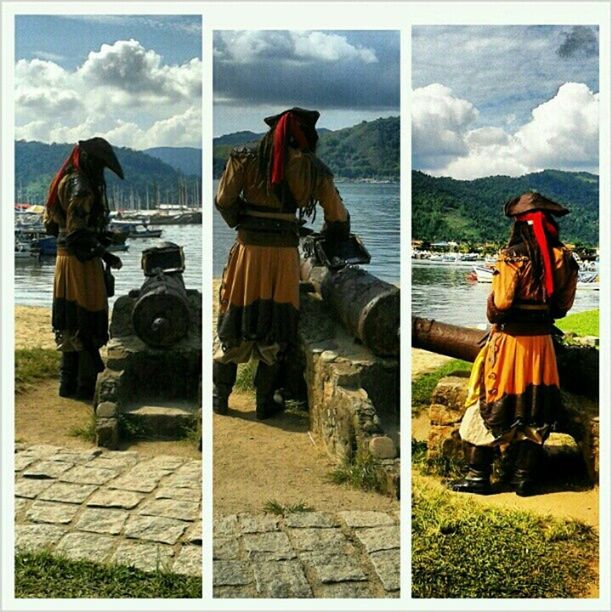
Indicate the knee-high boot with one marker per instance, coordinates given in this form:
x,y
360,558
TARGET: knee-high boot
x,y
90,363
224,377
478,478
266,383
526,467
69,367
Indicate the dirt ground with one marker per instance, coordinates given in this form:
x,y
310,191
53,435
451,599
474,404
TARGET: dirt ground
x,y
258,461
33,327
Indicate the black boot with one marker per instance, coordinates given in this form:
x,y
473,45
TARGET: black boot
x,y
69,367
90,363
478,478
525,468
224,377
266,383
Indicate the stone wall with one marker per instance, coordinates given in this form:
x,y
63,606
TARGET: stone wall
x,y
353,396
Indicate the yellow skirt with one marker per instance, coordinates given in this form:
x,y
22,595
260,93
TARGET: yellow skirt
x,y
259,296
80,305
514,386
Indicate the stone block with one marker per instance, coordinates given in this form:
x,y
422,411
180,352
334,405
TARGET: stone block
x,y
144,556
86,546
379,538
106,410
50,512
47,469
281,579
320,539
451,391
37,537
107,433
329,566
232,573
387,567
439,414
155,528
368,518
68,492
102,520
114,498
188,561
382,447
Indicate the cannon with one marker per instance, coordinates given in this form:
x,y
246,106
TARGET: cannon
x,y
369,308
160,314
578,365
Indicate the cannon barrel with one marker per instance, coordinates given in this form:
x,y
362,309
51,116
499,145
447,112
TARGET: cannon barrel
x,y
578,365
369,308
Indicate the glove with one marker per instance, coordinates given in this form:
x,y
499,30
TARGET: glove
x,y
112,260
337,230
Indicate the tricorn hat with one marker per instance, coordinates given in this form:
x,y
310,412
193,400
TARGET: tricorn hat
x,y
531,201
101,149
308,117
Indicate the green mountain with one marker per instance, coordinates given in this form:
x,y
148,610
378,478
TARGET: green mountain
x,y
447,209
148,180
368,150
187,160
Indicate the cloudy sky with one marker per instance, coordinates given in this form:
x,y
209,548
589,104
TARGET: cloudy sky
x,y
349,76
504,99
136,80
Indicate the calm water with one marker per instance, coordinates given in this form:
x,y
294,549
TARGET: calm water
x,y
34,279
375,217
442,292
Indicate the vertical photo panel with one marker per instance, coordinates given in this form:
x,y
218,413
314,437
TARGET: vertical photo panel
x,y
505,304
108,305
306,306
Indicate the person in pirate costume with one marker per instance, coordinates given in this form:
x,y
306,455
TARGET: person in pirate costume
x,y
77,213
265,194
513,395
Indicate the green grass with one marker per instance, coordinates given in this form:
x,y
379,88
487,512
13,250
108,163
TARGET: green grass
x,y
34,364
363,472
273,506
582,323
42,575
245,376
442,466
86,432
423,386
462,549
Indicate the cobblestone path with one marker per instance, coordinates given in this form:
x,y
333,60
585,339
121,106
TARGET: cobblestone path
x,y
307,554
110,507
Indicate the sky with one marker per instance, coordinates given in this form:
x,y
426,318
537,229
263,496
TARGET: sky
x,y
349,76
135,80
509,100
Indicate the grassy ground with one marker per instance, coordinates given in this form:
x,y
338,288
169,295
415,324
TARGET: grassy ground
x,y
582,323
33,364
423,386
460,549
42,575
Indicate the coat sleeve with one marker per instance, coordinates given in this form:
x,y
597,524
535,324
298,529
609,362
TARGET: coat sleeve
x,y
505,281
337,219
566,280
228,200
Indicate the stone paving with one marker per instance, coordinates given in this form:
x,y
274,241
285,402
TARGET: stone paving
x,y
110,507
307,554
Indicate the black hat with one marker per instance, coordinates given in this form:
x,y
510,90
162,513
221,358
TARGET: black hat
x,y
308,117
533,201
101,150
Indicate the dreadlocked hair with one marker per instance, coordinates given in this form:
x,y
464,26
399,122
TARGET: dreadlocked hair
x,y
522,234
94,171
263,154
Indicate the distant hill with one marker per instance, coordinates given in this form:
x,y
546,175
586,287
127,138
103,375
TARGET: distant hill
x,y
368,150
447,209
187,160
147,178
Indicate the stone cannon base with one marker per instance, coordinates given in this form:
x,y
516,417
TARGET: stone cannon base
x,y
146,392
353,395
573,450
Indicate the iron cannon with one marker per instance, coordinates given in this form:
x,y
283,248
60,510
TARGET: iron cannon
x,y
368,307
578,365
161,313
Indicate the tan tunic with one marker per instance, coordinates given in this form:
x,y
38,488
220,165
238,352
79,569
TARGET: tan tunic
x,y
514,388
259,294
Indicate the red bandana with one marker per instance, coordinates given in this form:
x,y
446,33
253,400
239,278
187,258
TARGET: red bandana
x,y
542,228
288,126
71,161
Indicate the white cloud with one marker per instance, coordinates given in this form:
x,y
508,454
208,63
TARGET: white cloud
x,y
122,91
245,47
562,133
439,123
